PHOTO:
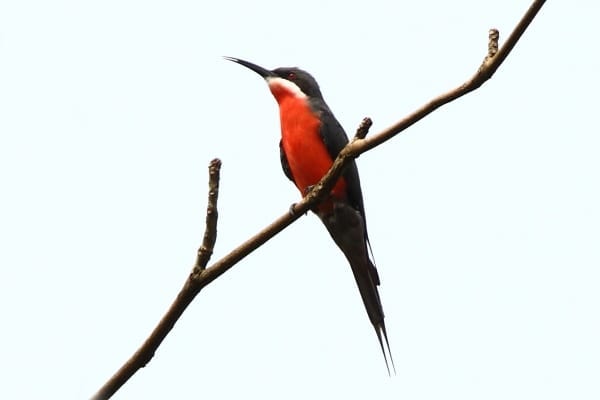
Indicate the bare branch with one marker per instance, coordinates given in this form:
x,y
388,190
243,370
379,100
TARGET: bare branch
x,y
210,232
189,291
145,353
201,276
484,73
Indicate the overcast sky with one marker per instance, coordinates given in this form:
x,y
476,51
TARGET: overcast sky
x,y
484,217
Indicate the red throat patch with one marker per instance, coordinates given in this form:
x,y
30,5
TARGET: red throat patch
x,y
305,151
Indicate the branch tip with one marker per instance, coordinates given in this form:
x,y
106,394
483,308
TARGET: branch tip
x,y
493,39
363,128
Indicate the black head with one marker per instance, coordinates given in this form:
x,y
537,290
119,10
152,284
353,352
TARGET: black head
x,y
302,79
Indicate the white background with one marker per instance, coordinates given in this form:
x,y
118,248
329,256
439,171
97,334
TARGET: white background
x,y
484,217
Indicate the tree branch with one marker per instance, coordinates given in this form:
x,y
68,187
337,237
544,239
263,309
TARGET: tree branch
x,y
202,276
189,291
210,232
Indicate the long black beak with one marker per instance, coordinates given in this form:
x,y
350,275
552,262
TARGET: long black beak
x,y
265,73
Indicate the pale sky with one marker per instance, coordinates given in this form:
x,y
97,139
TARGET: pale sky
x,y
484,217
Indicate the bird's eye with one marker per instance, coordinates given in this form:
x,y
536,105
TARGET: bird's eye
x,y
291,76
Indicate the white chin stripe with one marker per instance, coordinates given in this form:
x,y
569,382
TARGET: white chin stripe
x,y
289,86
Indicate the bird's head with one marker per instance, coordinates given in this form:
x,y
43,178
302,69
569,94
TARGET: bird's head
x,y
285,81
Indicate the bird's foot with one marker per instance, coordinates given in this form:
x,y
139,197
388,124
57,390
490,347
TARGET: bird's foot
x,y
308,189
292,210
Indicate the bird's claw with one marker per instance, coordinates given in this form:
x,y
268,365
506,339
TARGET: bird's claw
x,y
292,210
308,189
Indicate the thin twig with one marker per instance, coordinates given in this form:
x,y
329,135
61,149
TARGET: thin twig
x,y
210,232
201,277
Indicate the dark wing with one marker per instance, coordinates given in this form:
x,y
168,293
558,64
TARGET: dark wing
x,y
335,140
284,163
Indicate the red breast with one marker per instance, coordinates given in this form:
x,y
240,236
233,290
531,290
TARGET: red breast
x,y
305,151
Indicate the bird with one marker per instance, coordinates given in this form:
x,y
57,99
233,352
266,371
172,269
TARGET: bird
x,y
311,138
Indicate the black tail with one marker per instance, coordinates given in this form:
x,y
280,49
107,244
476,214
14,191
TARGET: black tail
x,y
346,226
367,287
